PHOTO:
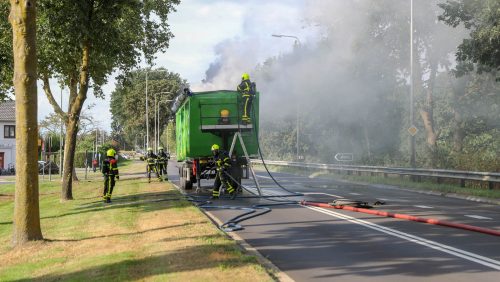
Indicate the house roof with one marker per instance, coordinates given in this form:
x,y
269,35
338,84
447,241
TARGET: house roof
x,y
8,111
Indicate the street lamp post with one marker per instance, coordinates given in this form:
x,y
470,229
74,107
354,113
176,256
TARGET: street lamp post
x,y
297,43
147,114
412,115
147,107
156,119
61,141
158,116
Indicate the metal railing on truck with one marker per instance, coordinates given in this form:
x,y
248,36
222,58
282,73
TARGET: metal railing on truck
x,y
218,123
415,173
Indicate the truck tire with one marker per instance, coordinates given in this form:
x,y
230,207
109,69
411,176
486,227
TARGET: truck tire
x,y
182,181
186,184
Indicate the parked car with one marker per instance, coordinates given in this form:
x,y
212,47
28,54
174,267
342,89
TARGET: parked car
x,y
44,167
9,170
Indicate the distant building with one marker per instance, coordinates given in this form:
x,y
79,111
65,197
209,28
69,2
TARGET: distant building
x,y
8,135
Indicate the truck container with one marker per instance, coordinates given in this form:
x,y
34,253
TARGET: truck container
x,y
213,117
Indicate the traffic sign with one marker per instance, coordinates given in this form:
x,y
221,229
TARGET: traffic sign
x,y
412,130
344,157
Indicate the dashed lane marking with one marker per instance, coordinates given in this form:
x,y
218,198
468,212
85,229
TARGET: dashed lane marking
x,y
355,194
478,216
423,207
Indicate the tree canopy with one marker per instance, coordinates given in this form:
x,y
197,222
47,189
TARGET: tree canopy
x,y
81,42
481,17
129,100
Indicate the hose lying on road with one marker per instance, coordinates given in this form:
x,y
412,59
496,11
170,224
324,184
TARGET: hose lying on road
x,y
405,216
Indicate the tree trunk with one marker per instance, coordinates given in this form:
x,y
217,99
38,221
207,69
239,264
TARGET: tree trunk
x,y
427,111
458,131
75,108
69,158
458,89
26,207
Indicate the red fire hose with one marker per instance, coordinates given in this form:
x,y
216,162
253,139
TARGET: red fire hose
x,y
407,217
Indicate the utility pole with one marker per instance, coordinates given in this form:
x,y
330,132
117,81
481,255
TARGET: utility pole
x,y
412,128
60,142
297,43
147,121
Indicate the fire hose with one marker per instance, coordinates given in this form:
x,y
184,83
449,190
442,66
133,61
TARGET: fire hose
x,y
405,216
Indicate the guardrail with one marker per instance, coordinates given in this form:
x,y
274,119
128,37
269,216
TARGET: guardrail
x,y
415,173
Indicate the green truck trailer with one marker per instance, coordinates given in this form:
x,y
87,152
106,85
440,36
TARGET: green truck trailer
x,y
213,117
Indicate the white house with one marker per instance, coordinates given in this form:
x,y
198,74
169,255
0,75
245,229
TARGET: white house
x,y
7,134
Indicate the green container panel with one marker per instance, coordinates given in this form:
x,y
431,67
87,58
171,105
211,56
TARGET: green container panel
x,y
203,108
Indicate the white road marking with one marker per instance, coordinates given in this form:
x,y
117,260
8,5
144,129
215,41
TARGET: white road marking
x,y
268,193
282,177
423,207
262,176
478,216
415,239
355,194
331,195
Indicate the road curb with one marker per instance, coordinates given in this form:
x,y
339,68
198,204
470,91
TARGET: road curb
x,y
272,269
275,271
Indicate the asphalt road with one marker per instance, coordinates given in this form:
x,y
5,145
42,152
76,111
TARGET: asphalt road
x,y
316,244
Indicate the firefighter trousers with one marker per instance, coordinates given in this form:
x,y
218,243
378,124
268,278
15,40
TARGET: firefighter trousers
x,y
246,108
152,168
109,184
222,179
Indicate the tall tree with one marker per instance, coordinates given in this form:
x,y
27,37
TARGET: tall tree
x,y
26,208
481,18
82,41
128,100
5,52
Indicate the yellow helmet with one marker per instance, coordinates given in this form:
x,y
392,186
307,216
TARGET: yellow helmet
x,y
224,113
150,149
215,147
160,148
111,153
245,76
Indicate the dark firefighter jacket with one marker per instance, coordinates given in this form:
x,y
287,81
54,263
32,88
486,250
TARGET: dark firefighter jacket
x,y
222,161
151,158
245,87
109,166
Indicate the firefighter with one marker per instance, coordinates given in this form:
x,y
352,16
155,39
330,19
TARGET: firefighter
x,y
162,163
222,165
247,90
109,170
151,164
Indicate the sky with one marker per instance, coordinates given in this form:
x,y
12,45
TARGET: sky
x,y
203,29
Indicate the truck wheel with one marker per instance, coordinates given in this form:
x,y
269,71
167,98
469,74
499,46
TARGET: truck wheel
x,y
188,185
182,182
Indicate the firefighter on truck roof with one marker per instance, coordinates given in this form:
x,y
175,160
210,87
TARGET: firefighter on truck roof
x,y
248,91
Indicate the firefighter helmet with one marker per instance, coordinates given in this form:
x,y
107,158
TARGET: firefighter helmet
x,y
215,147
160,148
150,149
245,76
111,153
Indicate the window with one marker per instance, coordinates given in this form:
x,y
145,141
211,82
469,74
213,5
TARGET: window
x,y
9,131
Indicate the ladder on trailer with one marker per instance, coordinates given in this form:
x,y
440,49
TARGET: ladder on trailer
x,y
237,136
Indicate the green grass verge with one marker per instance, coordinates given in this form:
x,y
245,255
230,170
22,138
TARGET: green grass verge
x,y
149,233
403,182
